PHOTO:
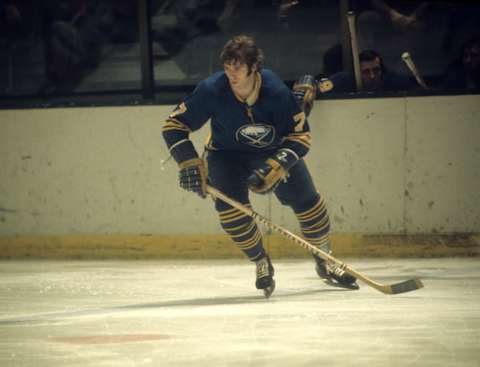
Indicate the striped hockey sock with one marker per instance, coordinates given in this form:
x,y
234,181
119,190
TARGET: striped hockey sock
x,y
315,223
244,232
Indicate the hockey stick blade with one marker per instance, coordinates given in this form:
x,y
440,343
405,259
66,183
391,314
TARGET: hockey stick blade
x,y
402,287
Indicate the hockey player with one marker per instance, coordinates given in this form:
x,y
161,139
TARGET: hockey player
x,y
259,135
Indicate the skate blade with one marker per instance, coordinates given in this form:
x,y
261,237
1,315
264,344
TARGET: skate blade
x,y
269,290
353,286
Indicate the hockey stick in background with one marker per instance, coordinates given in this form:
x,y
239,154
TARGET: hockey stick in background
x,y
402,287
354,44
411,65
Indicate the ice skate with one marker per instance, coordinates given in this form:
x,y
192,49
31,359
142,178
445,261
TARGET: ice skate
x,y
264,273
332,274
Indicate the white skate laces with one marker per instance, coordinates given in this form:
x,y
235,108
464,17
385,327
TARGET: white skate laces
x,y
262,268
335,270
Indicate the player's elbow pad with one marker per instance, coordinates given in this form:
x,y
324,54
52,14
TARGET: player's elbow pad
x,y
180,146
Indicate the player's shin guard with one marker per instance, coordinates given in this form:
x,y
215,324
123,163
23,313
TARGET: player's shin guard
x,y
315,226
244,232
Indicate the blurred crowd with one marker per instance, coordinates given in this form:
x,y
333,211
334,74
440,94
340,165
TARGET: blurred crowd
x,y
388,29
73,35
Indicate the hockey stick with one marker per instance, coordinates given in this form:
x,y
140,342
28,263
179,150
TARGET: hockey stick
x,y
354,45
407,59
402,287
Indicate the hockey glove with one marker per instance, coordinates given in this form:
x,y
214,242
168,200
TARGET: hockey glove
x,y
305,92
266,177
193,176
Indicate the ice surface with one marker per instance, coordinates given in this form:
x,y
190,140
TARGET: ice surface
x,y
208,313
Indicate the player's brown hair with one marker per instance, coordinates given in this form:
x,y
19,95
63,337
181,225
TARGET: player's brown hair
x,y
242,49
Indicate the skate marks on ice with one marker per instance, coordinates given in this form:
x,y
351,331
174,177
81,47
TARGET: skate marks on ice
x,y
296,281
54,317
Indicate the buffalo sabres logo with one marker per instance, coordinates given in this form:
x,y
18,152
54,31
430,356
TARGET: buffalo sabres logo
x,y
256,135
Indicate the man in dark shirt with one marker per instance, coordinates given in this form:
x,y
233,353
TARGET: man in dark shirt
x,y
375,76
464,73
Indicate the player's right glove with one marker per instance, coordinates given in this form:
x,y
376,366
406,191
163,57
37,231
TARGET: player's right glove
x,y
193,176
267,176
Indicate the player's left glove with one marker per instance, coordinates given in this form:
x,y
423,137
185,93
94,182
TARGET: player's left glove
x,y
267,176
305,92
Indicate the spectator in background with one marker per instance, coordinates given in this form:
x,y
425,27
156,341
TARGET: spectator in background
x,y
228,12
19,25
283,11
16,19
120,20
375,76
332,62
403,15
379,20
392,27
464,72
463,20
73,41
191,19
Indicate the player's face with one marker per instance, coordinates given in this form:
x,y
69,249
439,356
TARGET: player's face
x,y
238,75
372,76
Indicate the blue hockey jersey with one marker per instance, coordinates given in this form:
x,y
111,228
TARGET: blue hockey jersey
x,y
268,119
